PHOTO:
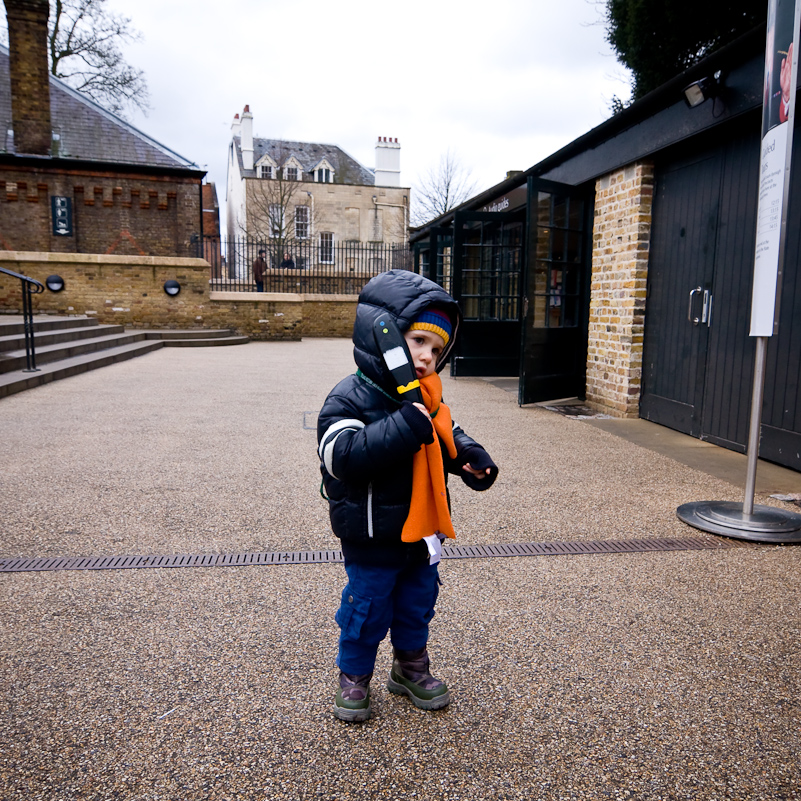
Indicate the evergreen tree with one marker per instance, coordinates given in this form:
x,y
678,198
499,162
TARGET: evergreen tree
x,y
659,39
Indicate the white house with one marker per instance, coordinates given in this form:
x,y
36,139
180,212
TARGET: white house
x,y
315,194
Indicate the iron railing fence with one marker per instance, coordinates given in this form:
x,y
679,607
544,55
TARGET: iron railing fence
x,y
30,286
323,266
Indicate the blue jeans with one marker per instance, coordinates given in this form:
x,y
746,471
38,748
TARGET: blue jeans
x,y
376,600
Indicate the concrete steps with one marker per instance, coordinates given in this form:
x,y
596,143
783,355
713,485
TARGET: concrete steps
x,y
194,338
72,345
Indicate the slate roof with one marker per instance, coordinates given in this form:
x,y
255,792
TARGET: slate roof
x,y
89,132
346,169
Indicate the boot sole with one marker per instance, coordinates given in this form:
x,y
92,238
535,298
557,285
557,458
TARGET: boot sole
x,y
352,715
428,704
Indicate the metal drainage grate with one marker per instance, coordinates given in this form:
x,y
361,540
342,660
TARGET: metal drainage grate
x,y
23,564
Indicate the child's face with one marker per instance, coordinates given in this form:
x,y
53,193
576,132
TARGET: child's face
x,y
425,347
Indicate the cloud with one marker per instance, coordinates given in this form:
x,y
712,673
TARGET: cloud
x,y
502,84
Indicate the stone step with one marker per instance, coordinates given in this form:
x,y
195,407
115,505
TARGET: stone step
x,y
11,324
47,354
19,380
188,333
195,337
41,339
205,343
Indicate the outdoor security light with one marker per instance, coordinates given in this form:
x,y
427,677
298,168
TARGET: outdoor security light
x,y
55,283
699,91
172,288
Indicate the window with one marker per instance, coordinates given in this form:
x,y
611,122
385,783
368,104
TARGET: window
x,y
326,248
291,173
264,171
323,175
301,222
276,221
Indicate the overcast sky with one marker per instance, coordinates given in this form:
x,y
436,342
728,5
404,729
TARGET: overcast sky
x,y
502,83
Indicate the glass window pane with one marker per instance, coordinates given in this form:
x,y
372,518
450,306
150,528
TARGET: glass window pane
x,y
573,247
540,317
571,312
558,240
560,211
576,213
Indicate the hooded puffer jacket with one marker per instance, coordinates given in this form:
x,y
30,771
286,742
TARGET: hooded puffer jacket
x,y
368,435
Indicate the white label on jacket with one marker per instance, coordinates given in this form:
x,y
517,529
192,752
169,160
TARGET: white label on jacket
x,y
434,544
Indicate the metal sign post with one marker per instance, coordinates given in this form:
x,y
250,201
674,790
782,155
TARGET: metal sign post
x,y
747,521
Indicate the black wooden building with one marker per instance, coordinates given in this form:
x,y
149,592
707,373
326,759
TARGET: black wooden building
x,y
519,259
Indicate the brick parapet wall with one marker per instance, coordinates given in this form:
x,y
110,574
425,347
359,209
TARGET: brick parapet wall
x,y
123,214
128,290
621,239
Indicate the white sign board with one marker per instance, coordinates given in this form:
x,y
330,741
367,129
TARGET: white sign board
x,y
778,110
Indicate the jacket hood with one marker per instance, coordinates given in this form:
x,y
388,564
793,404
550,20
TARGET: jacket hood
x,y
402,295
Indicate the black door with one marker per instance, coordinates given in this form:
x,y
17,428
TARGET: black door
x,y
698,372
487,260
553,360
680,275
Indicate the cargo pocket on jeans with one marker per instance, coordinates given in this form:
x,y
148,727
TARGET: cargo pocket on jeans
x,y
352,613
430,613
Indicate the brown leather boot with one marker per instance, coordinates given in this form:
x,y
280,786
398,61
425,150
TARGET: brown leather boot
x,y
410,676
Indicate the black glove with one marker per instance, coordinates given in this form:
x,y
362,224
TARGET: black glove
x,y
422,427
478,459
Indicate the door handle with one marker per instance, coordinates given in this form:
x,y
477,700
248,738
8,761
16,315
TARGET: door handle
x,y
693,292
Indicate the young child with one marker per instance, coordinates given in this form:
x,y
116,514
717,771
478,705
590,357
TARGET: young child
x,y
384,462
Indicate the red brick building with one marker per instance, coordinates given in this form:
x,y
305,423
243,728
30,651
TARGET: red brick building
x,y
75,178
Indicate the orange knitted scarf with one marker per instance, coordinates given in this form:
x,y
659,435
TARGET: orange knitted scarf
x,y
429,513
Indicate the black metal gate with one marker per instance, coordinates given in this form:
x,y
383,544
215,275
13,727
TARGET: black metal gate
x,y
553,360
488,252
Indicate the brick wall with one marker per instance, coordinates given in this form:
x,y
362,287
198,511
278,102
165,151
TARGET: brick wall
x,y
621,237
113,213
128,290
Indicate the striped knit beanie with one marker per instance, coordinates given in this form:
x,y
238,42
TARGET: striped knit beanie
x,y
436,321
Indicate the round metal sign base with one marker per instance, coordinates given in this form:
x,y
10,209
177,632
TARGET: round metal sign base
x,y
766,524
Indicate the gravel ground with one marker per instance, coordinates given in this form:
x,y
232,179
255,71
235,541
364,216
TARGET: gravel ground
x,y
654,676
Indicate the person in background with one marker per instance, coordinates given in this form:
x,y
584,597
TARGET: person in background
x,y
259,266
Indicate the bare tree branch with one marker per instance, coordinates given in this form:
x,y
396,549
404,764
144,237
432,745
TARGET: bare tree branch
x,y
271,210
84,39
442,188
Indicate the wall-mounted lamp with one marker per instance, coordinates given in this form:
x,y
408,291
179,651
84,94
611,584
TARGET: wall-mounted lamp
x,y
55,283
699,91
172,288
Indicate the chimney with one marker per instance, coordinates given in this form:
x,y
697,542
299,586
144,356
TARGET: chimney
x,y
247,139
387,162
30,78
236,126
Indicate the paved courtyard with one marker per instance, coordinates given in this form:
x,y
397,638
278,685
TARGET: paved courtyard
x,y
661,675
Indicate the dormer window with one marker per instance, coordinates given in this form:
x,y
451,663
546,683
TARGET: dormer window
x,y
265,167
293,169
323,173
